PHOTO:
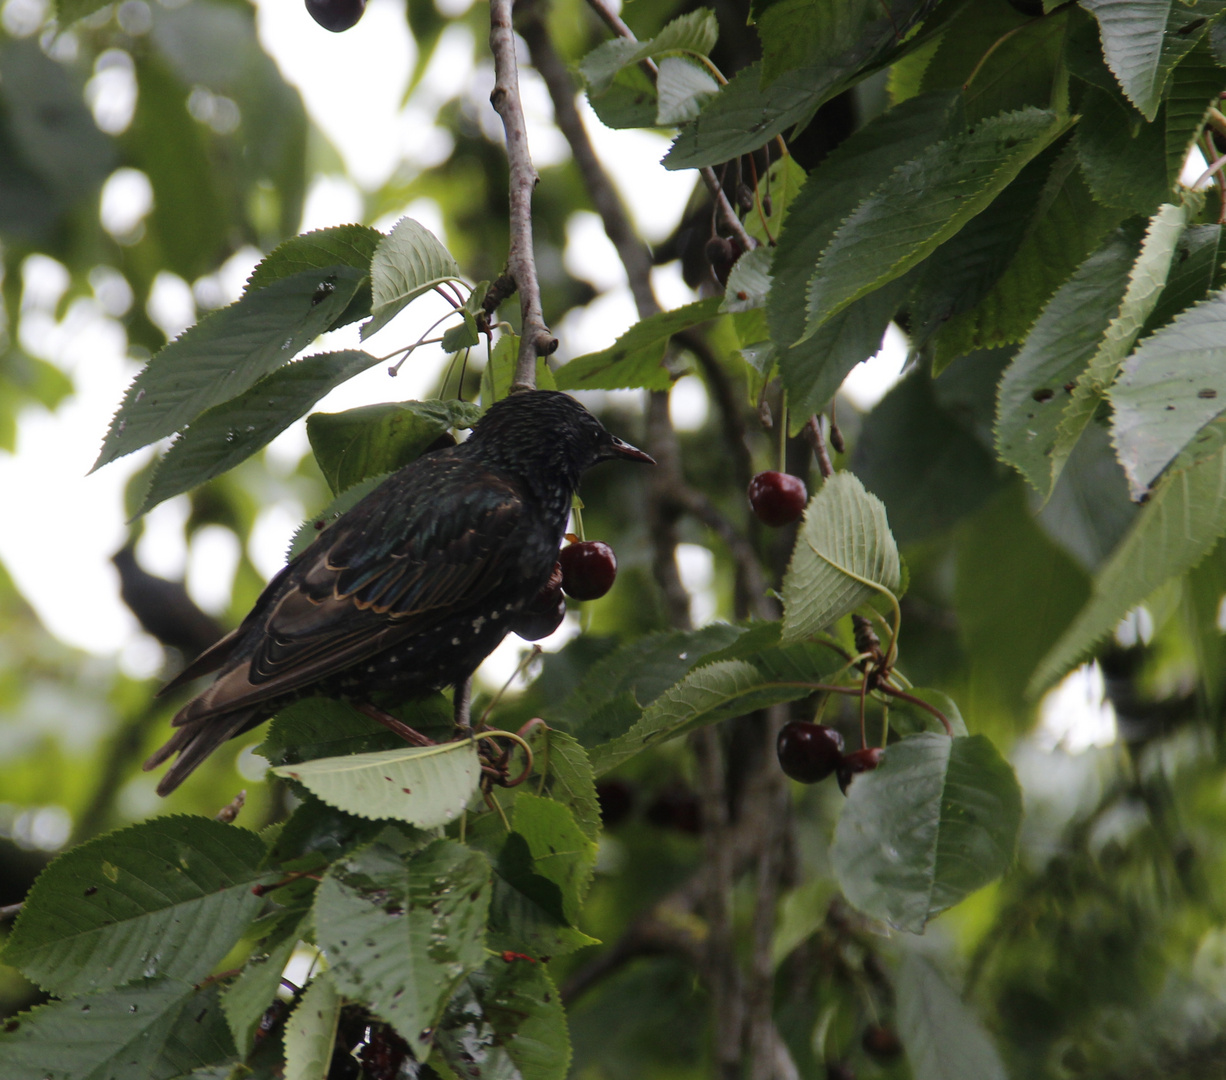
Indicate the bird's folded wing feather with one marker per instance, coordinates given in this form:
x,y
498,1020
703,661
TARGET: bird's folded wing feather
x,y
391,575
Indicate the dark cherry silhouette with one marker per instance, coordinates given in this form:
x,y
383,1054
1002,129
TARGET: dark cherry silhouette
x,y
808,752
777,498
589,568
336,15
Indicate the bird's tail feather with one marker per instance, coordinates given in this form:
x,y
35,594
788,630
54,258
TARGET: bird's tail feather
x,y
195,741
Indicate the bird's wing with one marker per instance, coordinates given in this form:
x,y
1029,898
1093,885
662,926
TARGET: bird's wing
x,y
394,571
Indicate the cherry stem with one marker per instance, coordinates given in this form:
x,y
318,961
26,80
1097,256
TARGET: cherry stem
x,y
289,879
920,703
521,667
493,736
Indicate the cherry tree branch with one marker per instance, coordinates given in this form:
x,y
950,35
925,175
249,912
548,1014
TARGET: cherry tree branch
x,y
535,340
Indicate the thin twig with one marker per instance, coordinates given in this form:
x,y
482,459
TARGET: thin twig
x,y
536,340
813,430
10,911
726,212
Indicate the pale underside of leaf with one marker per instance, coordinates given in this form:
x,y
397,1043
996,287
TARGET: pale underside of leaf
x,y
1145,283
425,786
409,261
1169,389
845,554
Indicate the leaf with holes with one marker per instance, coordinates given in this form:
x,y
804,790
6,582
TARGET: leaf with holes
x,y
401,932
1170,388
168,898
937,820
1039,380
845,555
230,433
426,786
226,353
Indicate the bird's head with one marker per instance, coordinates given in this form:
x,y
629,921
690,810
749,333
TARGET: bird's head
x,y
548,430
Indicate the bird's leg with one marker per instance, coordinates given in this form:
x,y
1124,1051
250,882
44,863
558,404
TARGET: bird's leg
x,y
463,703
408,734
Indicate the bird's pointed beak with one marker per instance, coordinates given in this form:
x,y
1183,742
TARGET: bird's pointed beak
x,y
622,449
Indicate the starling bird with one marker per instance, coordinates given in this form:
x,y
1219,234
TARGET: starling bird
x,y
410,589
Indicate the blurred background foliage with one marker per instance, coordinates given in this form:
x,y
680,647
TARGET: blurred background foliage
x,y
1103,954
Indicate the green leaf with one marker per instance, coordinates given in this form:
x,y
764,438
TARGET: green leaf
x,y
630,102
462,336
1191,277
615,690
228,434
844,556
226,353
558,850
498,373
1168,390
813,369
248,997
320,249
310,1030
943,1038
1145,285
1068,226
1121,154
633,360
506,1022
165,898
682,87
409,261
695,32
1014,594
1001,58
846,177
401,934
69,11
568,776
936,821
850,39
923,493
377,439
1178,526
324,728
922,204
426,786
1041,377
1143,40
540,874
159,1029
707,695
1195,86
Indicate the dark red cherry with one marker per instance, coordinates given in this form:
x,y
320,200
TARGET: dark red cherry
x,y
589,568
808,752
777,498
546,612
858,761
336,15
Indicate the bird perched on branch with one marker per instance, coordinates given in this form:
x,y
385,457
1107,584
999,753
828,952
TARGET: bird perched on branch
x,y
410,589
